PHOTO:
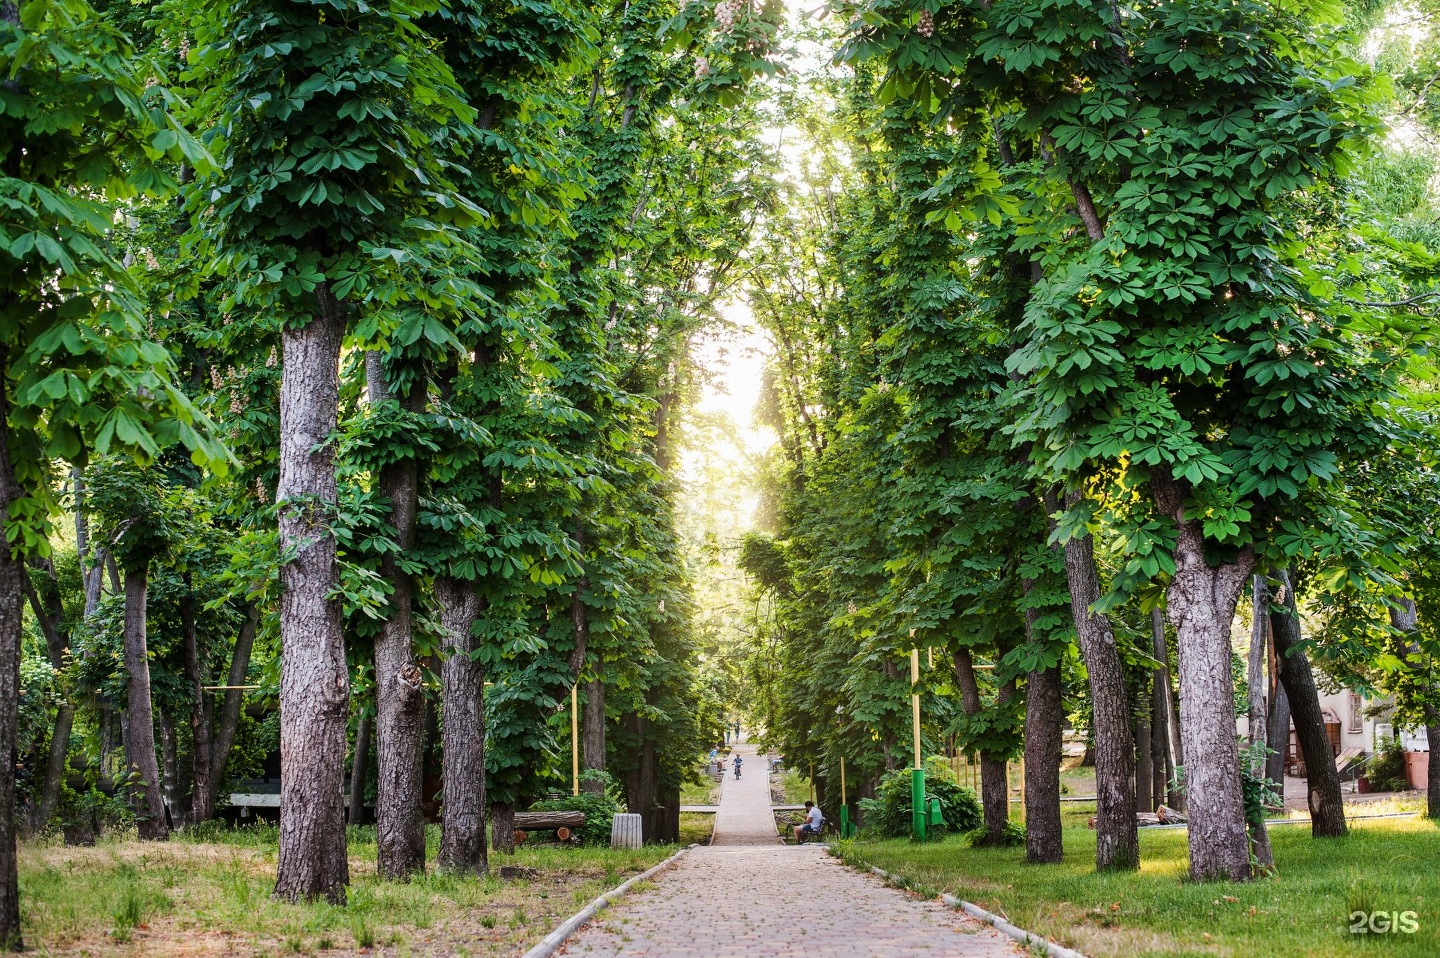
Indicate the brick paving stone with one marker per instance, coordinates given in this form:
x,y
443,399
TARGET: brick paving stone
x,y
748,895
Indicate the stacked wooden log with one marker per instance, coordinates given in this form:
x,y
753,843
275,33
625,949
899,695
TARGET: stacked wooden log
x,y
561,823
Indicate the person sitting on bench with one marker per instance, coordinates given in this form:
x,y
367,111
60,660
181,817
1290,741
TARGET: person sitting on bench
x,y
814,822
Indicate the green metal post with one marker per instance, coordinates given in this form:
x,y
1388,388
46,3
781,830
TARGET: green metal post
x,y
917,803
844,821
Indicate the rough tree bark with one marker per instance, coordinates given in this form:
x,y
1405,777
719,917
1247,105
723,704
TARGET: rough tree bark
x,y
592,733
314,680
48,615
1277,723
202,754
1405,618
1201,603
1044,715
12,596
462,836
502,827
994,787
1167,790
359,765
1117,842
1255,682
1327,808
145,790
234,701
399,688
1144,757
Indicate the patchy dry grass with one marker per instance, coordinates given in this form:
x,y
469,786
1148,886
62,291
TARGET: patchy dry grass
x,y
193,899
1304,911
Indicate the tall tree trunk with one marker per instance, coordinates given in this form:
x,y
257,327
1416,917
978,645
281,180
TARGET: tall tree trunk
x,y
1277,723
359,766
169,770
1117,842
1144,757
502,827
994,786
202,751
314,679
145,787
1327,808
12,595
1255,671
1432,775
48,615
234,701
592,738
1404,618
1167,791
1044,715
462,836
399,685
1201,603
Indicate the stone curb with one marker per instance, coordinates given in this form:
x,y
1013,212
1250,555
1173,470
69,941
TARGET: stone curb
x,y
1025,938
552,942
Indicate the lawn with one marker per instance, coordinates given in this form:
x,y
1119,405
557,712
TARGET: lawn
x,y
696,828
1304,911
190,897
790,787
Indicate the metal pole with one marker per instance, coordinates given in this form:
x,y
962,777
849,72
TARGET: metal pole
x,y
917,774
575,739
844,803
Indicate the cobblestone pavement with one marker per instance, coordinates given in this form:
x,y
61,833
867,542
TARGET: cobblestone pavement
x,y
748,895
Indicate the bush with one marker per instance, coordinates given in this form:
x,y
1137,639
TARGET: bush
x,y
1386,768
889,812
599,814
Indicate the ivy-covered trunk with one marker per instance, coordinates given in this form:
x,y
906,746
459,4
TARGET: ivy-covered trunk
x,y
1044,714
592,738
145,792
1117,843
399,685
314,680
1327,807
1201,603
12,596
49,611
462,835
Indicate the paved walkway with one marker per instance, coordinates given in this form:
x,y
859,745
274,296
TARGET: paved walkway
x,y
748,895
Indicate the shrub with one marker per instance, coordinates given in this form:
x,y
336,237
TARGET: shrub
x,y
889,812
1386,768
599,814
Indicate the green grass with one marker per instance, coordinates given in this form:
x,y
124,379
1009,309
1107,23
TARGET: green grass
x,y
704,792
696,828
790,787
189,895
1302,912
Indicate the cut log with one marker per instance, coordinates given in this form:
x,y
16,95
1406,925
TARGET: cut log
x,y
545,821
520,836
562,833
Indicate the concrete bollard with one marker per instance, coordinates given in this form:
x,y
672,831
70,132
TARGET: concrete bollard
x,y
625,832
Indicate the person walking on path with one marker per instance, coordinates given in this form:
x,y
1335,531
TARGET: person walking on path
x,y
769,893
814,823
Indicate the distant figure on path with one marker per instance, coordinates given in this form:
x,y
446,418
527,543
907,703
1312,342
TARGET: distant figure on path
x,y
814,822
